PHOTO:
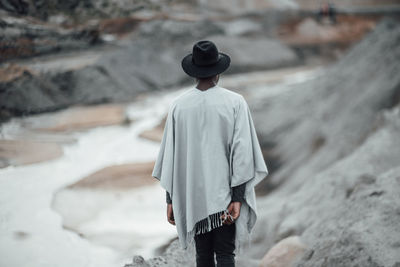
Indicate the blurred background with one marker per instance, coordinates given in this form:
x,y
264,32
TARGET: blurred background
x,y
85,87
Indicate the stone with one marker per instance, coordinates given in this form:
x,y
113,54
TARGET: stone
x,y
285,253
138,261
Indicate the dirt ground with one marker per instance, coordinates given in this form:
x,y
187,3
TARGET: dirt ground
x,y
118,177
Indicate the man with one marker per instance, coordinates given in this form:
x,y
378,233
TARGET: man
x,y
209,162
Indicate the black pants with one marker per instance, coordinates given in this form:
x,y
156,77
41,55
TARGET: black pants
x,y
220,240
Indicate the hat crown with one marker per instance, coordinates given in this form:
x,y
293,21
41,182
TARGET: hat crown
x,y
205,53
205,60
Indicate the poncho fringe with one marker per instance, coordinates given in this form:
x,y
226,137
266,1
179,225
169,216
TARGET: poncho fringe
x,y
205,225
208,224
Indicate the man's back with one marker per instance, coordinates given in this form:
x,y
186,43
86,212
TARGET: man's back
x,y
203,131
204,123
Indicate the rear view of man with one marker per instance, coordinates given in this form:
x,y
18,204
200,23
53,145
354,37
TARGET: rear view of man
x,y
209,162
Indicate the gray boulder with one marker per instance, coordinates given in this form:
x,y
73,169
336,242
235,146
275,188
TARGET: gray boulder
x,y
172,257
34,93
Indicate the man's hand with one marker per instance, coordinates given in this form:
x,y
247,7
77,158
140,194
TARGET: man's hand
x,y
170,214
234,210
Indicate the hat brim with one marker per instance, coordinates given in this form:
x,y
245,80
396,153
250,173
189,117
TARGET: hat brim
x,y
205,71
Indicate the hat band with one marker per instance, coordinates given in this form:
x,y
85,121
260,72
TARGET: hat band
x,y
206,63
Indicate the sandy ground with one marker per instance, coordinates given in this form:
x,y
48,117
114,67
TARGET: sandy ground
x,y
78,118
118,177
20,152
156,133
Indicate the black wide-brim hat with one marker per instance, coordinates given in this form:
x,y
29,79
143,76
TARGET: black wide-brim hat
x,y
205,60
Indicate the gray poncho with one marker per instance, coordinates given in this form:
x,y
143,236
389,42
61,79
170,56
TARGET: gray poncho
x,y
209,145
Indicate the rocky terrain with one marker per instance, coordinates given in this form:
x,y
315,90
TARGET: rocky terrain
x,y
334,144
340,158
331,143
54,55
81,10
142,62
76,10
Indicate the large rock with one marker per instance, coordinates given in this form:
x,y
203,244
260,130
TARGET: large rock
x,y
285,253
32,92
140,62
172,257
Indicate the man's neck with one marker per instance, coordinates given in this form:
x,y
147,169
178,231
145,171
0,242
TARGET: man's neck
x,y
205,86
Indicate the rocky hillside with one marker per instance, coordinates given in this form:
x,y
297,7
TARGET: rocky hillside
x,y
147,59
334,144
337,141
76,9
55,54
